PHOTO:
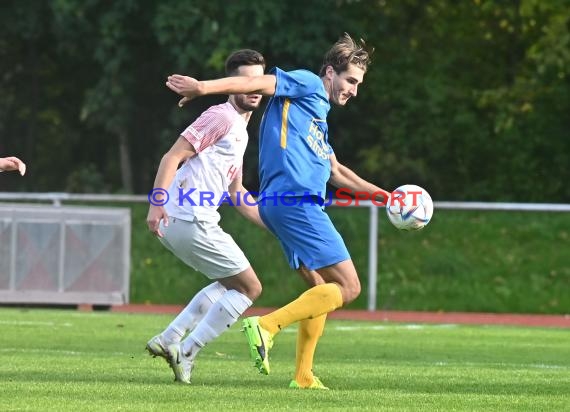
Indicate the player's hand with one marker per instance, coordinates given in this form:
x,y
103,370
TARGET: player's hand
x,y
12,163
184,86
155,215
183,101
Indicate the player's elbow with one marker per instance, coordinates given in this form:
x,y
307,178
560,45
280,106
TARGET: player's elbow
x,y
234,198
170,157
337,177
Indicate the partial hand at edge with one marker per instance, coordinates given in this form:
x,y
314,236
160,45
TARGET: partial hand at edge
x,y
155,215
185,86
12,163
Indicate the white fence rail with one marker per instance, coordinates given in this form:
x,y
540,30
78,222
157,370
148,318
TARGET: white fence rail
x,y
57,198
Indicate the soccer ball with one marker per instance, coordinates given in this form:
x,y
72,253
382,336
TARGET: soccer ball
x,y
409,208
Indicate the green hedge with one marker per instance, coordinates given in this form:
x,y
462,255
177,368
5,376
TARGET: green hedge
x,y
463,261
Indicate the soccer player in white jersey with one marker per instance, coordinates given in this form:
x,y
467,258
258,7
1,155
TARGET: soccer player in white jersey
x,y
211,152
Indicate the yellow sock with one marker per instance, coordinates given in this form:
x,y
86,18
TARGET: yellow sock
x,y
310,330
313,303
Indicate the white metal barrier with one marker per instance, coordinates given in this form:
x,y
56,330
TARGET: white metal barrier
x,y
64,255
57,198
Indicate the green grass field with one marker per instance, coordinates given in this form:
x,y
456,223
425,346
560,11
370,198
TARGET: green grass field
x,y
55,360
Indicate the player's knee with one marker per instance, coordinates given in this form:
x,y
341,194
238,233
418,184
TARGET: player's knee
x,y
256,291
250,287
351,292
253,290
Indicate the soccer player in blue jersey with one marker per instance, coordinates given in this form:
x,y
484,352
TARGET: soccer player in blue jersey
x,y
296,162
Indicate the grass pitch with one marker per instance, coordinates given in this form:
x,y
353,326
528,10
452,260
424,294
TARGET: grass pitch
x,y
56,360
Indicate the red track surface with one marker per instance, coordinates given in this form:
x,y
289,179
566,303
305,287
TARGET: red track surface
x,y
560,321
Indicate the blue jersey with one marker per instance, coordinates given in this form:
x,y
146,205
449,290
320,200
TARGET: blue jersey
x,y
294,149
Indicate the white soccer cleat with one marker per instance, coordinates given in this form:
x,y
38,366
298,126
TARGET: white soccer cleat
x,y
157,347
180,363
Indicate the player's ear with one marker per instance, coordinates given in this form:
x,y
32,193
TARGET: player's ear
x,y
329,72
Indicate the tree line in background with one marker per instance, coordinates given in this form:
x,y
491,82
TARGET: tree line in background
x,y
470,99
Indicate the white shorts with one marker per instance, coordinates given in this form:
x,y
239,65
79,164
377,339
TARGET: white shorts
x,y
205,247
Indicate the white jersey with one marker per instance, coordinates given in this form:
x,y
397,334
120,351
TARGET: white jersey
x,y
220,138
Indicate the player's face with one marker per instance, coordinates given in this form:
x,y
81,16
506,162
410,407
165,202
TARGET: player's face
x,y
344,85
248,102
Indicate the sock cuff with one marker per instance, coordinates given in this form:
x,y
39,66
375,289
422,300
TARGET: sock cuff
x,y
235,302
214,291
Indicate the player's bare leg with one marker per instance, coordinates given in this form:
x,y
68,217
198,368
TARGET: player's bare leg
x,y
342,287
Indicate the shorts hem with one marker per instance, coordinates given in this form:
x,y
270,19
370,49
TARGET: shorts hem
x,y
228,274
320,264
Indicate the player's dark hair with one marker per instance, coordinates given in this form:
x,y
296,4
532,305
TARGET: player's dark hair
x,y
244,57
344,52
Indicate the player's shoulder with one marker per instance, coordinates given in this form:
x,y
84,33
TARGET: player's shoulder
x,y
306,73
298,73
223,109
297,83
221,113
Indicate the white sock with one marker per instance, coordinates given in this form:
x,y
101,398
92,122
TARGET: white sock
x,y
223,314
193,312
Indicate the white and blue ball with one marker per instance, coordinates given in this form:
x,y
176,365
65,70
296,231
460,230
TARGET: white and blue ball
x,y
410,207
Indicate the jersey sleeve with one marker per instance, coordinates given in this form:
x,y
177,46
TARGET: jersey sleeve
x,y
296,83
206,130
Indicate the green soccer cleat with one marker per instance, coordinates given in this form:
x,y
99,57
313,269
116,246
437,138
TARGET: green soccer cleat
x,y
316,384
260,341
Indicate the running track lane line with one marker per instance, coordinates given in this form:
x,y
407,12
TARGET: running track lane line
x,y
560,321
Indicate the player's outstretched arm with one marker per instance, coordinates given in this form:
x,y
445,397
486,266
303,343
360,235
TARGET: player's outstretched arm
x,y
343,177
191,88
244,202
12,163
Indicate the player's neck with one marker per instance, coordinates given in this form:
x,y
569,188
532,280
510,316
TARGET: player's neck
x,y
328,86
245,114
